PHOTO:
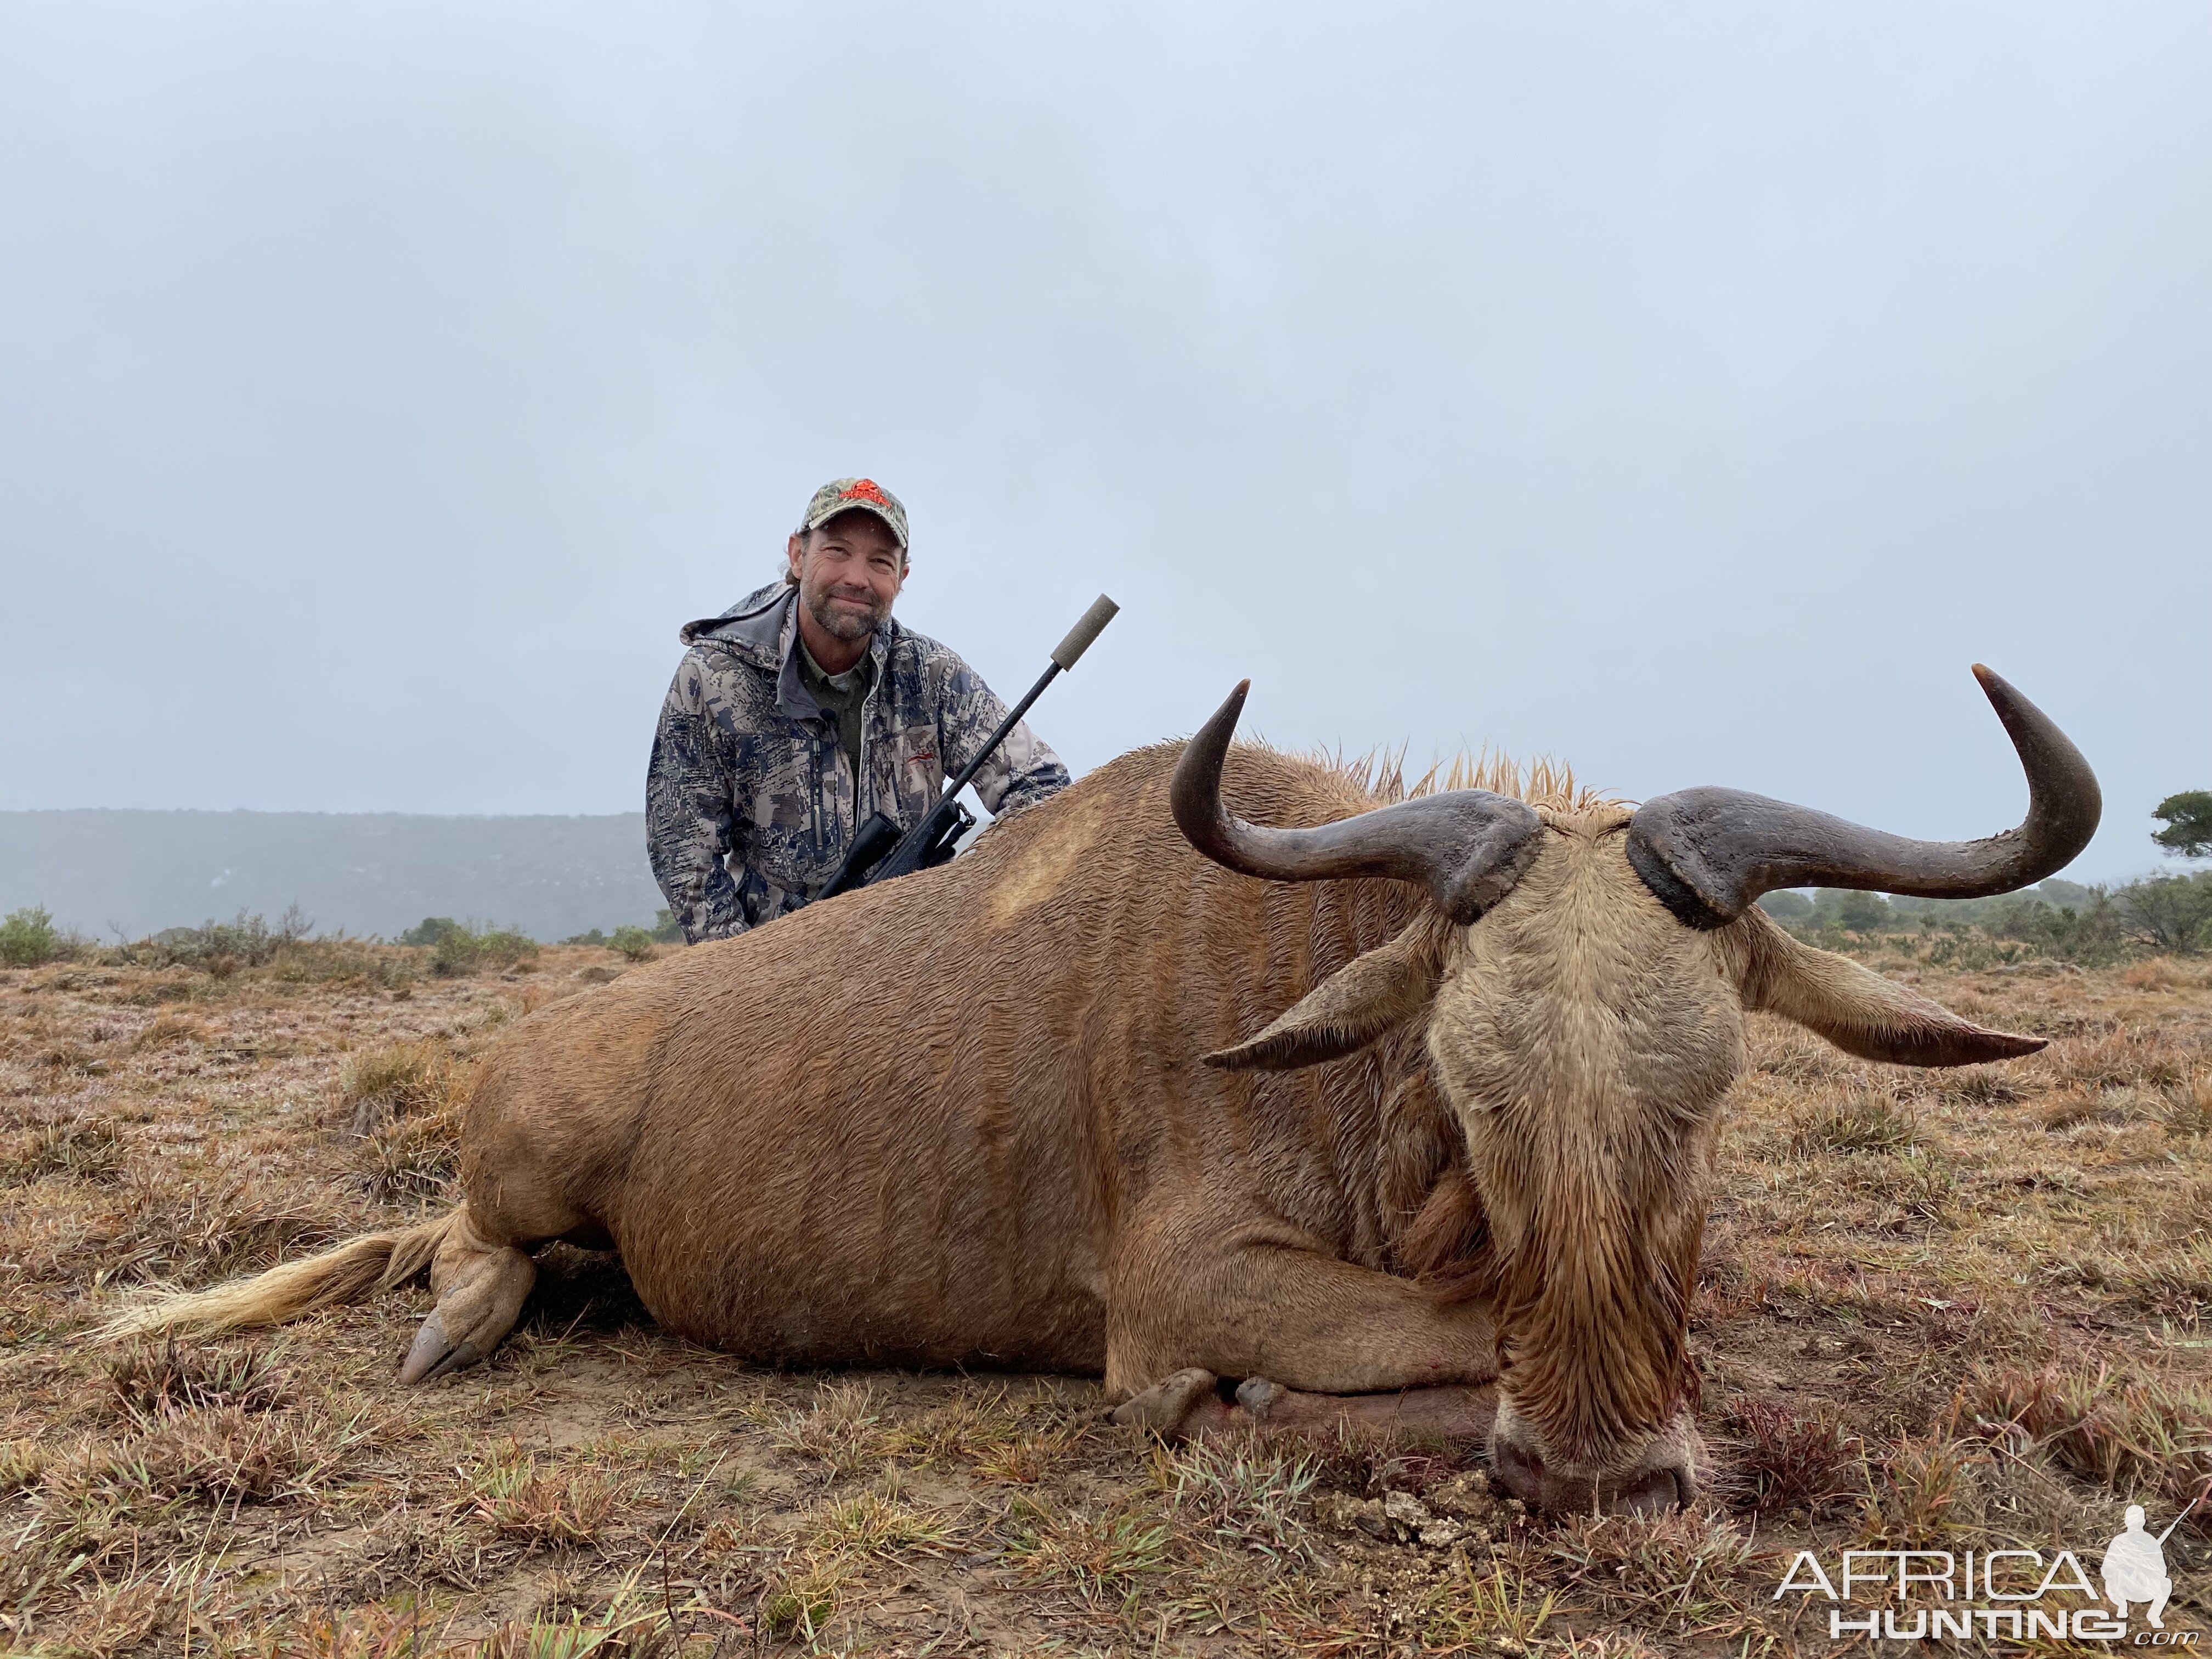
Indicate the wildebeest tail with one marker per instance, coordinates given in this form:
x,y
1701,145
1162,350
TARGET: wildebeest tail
x,y
346,1273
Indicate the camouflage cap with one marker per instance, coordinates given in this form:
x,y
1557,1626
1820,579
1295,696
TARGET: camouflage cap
x,y
848,495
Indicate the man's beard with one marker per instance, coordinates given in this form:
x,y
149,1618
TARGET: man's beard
x,y
844,624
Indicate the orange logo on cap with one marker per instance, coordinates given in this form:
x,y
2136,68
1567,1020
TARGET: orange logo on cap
x,y
865,489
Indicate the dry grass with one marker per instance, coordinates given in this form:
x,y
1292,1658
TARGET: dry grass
x,y
405,1101
511,1494
1782,1462
1960,1309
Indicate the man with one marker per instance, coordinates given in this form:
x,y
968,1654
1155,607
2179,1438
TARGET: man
x,y
2135,1569
803,708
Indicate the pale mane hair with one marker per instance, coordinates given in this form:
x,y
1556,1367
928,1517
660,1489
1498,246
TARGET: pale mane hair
x,y
1546,784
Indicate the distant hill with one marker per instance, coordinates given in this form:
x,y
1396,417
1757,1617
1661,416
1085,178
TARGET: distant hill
x,y
365,872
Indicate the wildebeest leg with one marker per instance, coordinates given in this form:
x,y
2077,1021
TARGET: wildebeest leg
x,y
1190,1403
1262,1302
1457,1411
480,1288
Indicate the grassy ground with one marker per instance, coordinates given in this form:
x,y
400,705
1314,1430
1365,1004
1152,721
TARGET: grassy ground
x,y
1952,1310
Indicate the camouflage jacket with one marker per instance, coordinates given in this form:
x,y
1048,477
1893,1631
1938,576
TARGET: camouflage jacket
x,y
750,802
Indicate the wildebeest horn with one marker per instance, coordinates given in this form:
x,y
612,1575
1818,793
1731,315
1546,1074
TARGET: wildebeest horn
x,y
1467,846
1707,853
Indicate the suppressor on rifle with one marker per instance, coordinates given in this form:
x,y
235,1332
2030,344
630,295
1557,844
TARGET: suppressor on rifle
x,y
1091,624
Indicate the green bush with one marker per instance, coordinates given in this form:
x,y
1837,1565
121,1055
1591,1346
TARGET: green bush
x,y
1842,910
430,930
507,947
458,951
2094,934
244,941
635,943
27,938
2170,913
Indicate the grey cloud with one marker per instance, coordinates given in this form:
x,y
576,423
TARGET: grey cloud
x,y
1692,393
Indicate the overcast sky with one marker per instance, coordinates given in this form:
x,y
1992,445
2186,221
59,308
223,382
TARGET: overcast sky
x,y
1690,392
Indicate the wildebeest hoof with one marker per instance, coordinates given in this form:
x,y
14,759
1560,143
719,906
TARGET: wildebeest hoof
x,y
480,1292
1163,1408
433,1354
1257,1396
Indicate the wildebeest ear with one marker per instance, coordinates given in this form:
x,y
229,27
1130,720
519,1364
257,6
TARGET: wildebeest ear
x,y
1861,1012
1348,1010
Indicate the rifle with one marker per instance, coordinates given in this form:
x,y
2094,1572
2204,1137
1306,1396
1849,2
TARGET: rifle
x,y
879,852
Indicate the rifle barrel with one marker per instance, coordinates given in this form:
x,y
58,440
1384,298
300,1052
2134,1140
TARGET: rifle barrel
x,y
1013,716
1088,628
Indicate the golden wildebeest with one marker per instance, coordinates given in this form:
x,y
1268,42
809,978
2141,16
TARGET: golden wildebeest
x,y
1044,1108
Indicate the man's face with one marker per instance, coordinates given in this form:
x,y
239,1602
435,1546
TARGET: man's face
x,y
849,571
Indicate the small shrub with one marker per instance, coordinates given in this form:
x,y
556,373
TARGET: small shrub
x,y
83,1148
173,1031
844,1430
1861,912
405,1101
880,1524
401,1079
2188,1109
460,951
551,1506
154,1385
799,1603
2094,932
1785,1462
1244,1494
1648,1564
27,938
1922,1491
634,1625
222,1455
220,948
430,930
635,943
1104,1558
507,948
2135,1437
455,953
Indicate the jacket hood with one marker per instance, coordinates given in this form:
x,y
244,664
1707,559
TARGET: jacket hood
x,y
753,626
